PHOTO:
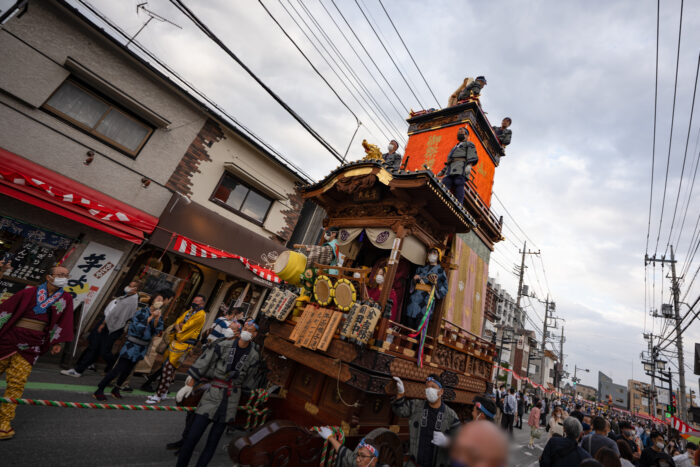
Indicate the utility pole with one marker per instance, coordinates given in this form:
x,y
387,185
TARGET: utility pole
x,y
561,359
679,338
544,338
677,318
521,275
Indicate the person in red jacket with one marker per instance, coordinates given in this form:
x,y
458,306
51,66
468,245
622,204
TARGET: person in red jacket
x,y
32,321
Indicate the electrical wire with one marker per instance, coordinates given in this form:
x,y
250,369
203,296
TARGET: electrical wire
x,y
409,54
513,219
203,27
370,56
670,137
685,155
387,52
653,144
357,80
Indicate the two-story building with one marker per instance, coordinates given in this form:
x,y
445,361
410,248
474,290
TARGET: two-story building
x,y
106,163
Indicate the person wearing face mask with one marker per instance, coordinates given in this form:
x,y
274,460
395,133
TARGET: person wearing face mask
x,y
183,337
504,134
431,422
225,365
364,455
392,159
629,435
374,291
426,277
654,456
107,332
32,321
483,409
145,325
459,164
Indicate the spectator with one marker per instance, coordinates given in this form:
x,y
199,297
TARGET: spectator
x,y
521,410
544,412
626,457
654,455
629,435
534,423
479,443
107,332
598,439
556,421
564,451
687,459
510,407
484,409
608,458
577,413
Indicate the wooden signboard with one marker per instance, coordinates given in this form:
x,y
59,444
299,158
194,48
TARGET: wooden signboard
x,y
296,333
330,331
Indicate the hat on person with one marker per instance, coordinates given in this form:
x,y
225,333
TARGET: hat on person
x,y
481,78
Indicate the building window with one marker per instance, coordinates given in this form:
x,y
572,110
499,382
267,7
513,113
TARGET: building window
x,y
98,117
242,199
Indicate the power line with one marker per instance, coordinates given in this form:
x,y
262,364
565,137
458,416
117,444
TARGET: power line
x,y
513,219
690,190
387,52
670,136
410,54
357,55
360,83
370,56
685,154
203,27
653,144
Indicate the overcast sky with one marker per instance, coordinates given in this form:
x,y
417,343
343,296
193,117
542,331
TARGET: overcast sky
x,y
577,78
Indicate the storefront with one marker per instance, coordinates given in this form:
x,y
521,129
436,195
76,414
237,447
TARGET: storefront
x,y
48,219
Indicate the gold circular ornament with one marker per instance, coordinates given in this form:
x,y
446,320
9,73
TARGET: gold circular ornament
x,y
323,290
344,294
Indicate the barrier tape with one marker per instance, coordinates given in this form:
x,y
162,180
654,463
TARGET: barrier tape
x,y
93,405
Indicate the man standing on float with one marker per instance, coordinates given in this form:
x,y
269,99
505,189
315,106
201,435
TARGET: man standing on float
x,y
459,165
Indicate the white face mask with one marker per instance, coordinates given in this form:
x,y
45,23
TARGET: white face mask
x,y
391,148
157,305
246,336
60,282
379,279
432,258
660,445
431,394
127,289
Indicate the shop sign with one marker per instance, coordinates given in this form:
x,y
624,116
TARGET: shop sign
x,y
91,273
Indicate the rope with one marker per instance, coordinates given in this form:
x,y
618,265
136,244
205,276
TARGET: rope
x,y
327,448
92,405
338,362
256,416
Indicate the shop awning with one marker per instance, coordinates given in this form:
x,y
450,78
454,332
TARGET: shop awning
x,y
202,225
41,187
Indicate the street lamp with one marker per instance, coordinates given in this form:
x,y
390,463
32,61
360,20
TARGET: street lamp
x,y
661,365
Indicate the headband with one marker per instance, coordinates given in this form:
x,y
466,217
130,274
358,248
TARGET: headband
x,y
372,450
250,321
430,378
484,410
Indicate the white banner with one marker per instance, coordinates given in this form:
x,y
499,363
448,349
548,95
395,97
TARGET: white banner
x,y
663,396
91,273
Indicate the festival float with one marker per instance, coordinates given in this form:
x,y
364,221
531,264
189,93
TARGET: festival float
x,y
335,334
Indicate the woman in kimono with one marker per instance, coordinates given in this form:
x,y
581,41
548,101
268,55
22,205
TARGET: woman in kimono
x,y
144,326
364,455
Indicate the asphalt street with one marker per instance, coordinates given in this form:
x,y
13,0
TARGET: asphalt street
x,y
52,436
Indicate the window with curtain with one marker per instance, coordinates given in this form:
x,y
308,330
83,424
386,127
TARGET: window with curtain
x,y
97,116
242,199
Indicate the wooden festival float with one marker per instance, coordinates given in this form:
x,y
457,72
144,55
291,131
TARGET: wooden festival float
x,y
331,348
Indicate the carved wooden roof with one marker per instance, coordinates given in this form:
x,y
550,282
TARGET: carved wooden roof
x,y
365,188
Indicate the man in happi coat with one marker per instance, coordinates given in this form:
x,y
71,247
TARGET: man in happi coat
x,y
225,365
432,274
32,321
431,423
184,336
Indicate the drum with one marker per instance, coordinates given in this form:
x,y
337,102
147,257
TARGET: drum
x,y
323,290
289,266
344,294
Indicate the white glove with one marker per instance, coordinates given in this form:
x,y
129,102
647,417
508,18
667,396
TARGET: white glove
x,y
325,432
184,392
399,385
439,439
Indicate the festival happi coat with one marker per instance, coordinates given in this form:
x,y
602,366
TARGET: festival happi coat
x,y
35,303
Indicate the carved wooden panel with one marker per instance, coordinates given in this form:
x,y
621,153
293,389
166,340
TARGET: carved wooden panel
x,y
305,381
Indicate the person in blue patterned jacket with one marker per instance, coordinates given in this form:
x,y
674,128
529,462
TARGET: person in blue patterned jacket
x,y
145,325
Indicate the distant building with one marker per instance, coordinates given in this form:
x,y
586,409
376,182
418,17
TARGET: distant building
x,y
588,393
607,389
638,396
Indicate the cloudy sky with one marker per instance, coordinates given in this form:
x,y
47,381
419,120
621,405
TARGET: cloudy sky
x,y
577,78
